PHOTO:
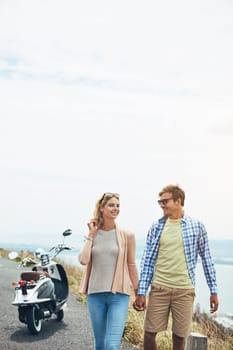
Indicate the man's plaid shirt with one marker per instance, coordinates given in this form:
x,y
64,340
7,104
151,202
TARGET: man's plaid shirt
x,y
195,243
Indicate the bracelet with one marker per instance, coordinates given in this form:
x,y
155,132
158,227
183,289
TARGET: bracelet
x,y
87,238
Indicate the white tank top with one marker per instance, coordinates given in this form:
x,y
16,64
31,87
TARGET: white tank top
x,y
104,256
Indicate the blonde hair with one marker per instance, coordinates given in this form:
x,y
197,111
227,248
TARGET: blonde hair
x,y
100,204
176,191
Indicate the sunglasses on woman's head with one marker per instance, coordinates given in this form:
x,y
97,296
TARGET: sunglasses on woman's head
x,y
110,195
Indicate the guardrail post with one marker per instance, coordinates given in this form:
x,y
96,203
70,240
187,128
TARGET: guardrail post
x,y
196,341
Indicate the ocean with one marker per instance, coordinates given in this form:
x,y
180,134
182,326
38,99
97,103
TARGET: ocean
x,y
222,253
224,279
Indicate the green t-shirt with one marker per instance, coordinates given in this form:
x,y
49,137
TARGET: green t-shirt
x,y
171,268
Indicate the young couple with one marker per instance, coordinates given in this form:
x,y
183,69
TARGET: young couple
x,y
168,266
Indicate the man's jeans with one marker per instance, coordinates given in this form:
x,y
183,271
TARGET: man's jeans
x,y
108,314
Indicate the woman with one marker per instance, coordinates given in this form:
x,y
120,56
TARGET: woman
x,y
109,253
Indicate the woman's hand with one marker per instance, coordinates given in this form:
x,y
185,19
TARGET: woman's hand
x,y
93,227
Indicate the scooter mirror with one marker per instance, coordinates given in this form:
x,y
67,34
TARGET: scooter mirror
x,y
13,255
67,232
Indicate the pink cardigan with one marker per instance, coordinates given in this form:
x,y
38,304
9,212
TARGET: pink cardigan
x,y
126,269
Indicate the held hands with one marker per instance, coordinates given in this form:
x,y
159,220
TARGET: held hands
x,y
140,303
213,303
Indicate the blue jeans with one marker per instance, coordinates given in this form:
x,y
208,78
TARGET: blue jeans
x,y
108,314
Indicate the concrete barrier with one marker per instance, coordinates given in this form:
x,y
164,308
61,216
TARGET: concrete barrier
x,y
196,341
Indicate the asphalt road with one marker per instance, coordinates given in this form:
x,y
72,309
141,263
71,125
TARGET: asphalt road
x,y
72,333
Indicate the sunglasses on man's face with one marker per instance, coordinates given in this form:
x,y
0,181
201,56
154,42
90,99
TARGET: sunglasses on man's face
x,y
164,201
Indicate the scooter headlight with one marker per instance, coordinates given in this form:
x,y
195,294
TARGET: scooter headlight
x,y
39,252
44,258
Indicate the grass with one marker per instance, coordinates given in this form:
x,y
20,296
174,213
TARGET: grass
x,y
218,337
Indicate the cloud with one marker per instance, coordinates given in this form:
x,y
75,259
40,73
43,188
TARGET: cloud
x,y
113,96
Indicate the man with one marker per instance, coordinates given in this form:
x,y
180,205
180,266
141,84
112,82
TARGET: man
x,y
168,265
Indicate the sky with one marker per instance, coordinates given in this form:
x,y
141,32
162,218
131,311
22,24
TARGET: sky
x,y
113,96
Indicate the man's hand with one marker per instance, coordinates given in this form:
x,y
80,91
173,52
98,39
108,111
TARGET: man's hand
x,y
140,303
213,303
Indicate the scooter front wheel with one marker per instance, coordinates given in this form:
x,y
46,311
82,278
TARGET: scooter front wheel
x,y
34,322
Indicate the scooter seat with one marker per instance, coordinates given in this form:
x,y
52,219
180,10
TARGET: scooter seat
x,y
33,275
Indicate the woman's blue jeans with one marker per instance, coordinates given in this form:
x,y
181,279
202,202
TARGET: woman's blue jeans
x,y
108,314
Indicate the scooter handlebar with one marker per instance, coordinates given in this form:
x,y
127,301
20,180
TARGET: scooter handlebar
x,y
57,250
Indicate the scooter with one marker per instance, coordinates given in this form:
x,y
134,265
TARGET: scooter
x,y
41,293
